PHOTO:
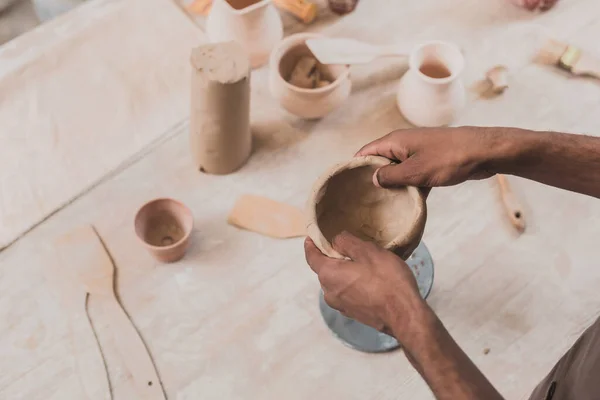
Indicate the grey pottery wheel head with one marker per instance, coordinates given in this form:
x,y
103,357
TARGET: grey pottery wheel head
x,y
345,199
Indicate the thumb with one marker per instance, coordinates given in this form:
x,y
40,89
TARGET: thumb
x,y
398,175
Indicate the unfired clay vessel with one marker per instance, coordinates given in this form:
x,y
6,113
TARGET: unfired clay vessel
x,y
305,103
164,227
220,138
431,92
345,199
255,24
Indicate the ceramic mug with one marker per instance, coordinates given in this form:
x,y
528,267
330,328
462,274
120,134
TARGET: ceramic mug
x,y
431,92
305,103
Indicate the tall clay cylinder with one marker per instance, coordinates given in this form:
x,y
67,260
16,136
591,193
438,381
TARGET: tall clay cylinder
x,y
220,138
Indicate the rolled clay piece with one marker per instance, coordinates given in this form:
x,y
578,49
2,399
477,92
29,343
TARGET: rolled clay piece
x,y
305,73
345,199
498,77
220,138
323,83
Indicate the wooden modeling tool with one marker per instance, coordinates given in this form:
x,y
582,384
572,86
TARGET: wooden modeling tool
x,y
304,10
343,51
267,217
513,208
84,253
90,363
569,58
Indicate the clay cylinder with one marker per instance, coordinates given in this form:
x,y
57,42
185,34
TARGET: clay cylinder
x,y
220,138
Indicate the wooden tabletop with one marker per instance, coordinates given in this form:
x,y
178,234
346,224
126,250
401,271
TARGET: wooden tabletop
x,y
238,317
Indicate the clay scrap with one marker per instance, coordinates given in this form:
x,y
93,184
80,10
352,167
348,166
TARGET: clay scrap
x,y
267,217
498,79
309,74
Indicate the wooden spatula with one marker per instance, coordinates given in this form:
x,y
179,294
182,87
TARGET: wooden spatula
x,y
85,254
343,51
267,217
90,364
513,208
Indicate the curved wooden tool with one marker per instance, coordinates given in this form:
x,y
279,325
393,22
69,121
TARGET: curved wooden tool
x,y
95,270
90,362
512,206
91,366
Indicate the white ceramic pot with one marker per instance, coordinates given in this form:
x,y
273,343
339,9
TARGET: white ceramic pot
x,y
256,25
431,92
305,103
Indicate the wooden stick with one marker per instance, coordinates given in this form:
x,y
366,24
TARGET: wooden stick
x,y
512,206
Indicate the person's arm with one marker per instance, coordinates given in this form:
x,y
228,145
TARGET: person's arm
x,y
448,371
377,288
566,161
448,156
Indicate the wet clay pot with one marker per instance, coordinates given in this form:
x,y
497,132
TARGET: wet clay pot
x,y
346,199
164,227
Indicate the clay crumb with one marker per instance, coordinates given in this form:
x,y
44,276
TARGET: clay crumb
x,y
308,74
486,351
498,78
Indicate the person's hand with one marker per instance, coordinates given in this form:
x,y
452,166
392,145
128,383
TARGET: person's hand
x,y
374,287
432,157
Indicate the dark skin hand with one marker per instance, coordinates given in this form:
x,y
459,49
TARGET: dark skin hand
x,y
377,288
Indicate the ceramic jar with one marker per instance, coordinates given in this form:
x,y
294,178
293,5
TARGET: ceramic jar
x,y
431,92
256,25
305,103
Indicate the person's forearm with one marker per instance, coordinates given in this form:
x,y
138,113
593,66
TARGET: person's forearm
x,y
566,161
448,371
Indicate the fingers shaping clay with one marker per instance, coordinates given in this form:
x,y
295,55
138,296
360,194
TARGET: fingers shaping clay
x,y
345,199
267,217
220,138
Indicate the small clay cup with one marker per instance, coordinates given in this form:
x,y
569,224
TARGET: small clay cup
x,y
346,199
164,227
305,103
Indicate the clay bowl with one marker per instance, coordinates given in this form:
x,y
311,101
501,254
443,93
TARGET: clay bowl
x,y
305,103
345,199
164,227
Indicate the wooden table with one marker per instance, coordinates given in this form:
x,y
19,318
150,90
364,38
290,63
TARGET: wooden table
x,y
238,317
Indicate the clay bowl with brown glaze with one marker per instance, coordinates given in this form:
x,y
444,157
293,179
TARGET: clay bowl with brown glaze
x,y
345,199
164,227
